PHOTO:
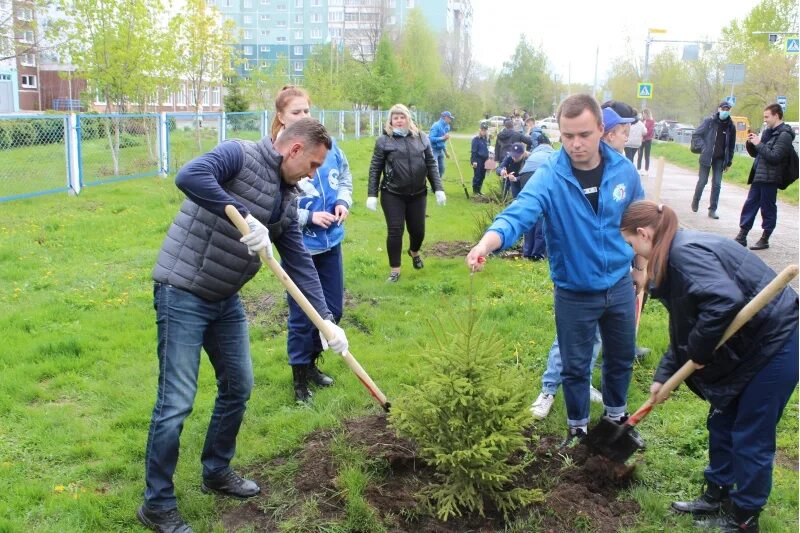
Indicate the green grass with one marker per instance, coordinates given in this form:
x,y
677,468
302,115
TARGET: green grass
x,y
679,154
79,369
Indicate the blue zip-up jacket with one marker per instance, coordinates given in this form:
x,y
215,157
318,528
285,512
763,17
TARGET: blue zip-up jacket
x,y
480,150
587,252
439,129
332,185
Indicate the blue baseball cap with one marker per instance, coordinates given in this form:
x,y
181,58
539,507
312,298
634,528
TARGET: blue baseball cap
x,y
448,114
611,119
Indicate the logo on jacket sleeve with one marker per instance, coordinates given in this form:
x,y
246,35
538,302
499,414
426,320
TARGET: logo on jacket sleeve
x,y
619,192
333,178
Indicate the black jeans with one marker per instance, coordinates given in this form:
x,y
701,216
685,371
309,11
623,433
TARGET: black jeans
x,y
401,210
645,149
630,153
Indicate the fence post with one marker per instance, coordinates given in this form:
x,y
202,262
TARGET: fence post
x,y
222,126
358,124
341,125
163,145
264,119
371,122
73,154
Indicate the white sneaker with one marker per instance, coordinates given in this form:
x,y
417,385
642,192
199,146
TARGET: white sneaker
x,y
541,407
595,395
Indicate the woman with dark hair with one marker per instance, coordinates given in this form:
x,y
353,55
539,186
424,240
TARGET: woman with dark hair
x,y
404,158
322,208
647,141
704,280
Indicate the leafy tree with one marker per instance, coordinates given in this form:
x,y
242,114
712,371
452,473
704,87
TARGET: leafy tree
x,y
385,89
419,61
264,83
523,79
323,79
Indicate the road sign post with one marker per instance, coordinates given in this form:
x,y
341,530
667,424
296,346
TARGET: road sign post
x,y
782,102
644,90
792,46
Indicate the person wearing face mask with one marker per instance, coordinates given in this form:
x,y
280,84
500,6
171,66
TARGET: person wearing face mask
x,y
404,158
322,208
715,141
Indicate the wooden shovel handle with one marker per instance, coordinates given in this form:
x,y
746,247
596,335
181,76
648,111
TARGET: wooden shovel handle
x,y
747,312
302,301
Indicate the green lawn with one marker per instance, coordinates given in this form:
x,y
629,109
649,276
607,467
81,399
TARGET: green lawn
x,y
679,154
79,369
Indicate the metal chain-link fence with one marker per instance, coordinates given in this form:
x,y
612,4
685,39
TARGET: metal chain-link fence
x,y
33,151
245,125
190,135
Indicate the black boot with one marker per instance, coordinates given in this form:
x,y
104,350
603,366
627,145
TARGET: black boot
x,y
300,378
316,376
732,520
710,502
763,242
742,237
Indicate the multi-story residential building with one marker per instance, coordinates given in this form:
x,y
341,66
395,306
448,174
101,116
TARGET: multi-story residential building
x,y
289,29
9,83
27,55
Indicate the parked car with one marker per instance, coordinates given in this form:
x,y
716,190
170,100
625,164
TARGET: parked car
x,y
495,124
662,128
681,133
549,123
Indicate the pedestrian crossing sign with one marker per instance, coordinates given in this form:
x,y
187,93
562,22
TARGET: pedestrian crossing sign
x,y
644,90
792,46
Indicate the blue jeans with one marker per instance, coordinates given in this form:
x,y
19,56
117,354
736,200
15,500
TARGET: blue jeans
x,y
302,342
186,324
716,169
533,244
741,438
439,155
761,196
551,379
578,315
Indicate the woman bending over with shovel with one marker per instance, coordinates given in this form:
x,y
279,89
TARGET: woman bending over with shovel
x,y
704,280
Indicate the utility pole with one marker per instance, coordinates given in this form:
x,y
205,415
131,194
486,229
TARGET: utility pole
x,y
595,87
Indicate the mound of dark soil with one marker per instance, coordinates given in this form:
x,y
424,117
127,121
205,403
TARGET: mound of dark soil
x,y
460,249
581,490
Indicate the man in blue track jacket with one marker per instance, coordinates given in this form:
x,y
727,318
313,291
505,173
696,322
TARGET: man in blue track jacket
x,y
439,134
582,191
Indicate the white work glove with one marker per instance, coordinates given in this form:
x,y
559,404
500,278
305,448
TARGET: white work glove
x,y
339,341
441,199
372,203
258,238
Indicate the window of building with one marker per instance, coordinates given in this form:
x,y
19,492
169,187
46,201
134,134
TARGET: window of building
x,y
298,4
298,50
247,4
265,18
5,77
215,96
248,50
335,16
167,98
248,34
28,60
264,64
100,98
281,7
391,20
298,66
298,35
26,36
264,33
335,33
204,96
248,65
410,4
227,3
298,19
316,34
351,17
392,4
247,19
25,13
280,23
180,96
281,39
264,2
264,48
315,3
316,17
28,81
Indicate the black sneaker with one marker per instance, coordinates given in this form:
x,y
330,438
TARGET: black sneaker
x,y
417,260
641,353
167,521
574,437
393,277
317,376
231,484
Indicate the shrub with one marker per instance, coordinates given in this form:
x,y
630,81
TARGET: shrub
x,y
467,418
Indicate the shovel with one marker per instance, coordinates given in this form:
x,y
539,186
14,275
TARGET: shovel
x,y
618,442
309,310
460,175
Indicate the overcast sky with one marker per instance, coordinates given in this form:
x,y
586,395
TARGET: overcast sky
x,y
570,31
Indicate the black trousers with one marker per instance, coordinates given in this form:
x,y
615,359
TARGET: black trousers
x,y
630,153
644,150
403,211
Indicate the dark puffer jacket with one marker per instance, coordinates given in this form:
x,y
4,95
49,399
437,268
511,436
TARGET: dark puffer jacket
x,y
405,162
771,155
505,139
709,279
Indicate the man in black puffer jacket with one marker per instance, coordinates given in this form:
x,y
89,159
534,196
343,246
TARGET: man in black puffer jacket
x,y
771,152
506,138
717,138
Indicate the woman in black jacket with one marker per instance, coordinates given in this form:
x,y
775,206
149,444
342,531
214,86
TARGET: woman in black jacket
x,y
704,280
403,156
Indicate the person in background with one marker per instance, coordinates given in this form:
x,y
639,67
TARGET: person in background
x,y
615,129
533,244
478,156
716,140
439,135
647,141
510,168
203,263
771,152
636,134
590,263
703,280
403,157
506,137
322,208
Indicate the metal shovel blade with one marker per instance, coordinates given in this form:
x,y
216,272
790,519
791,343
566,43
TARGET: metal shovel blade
x,y
612,440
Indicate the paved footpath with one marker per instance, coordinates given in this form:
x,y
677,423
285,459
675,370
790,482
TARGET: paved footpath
x,y
677,189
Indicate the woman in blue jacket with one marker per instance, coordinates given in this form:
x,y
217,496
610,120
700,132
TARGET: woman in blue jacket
x,y
704,280
322,209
